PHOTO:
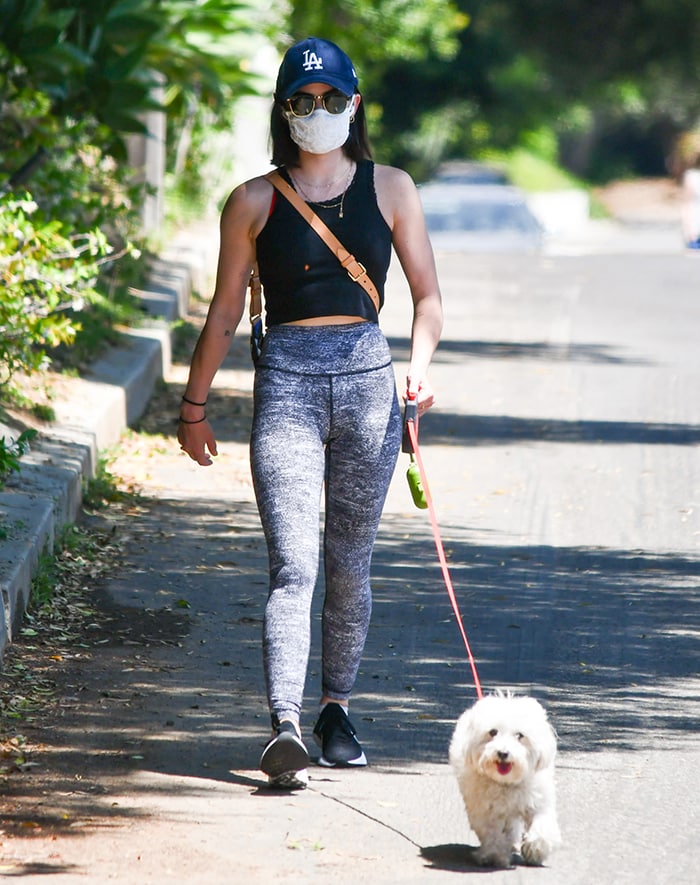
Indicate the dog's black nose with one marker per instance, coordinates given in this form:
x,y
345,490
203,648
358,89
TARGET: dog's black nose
x,y
502,755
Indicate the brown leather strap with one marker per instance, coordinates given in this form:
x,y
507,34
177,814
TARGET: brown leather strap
x,y
255,294
355,270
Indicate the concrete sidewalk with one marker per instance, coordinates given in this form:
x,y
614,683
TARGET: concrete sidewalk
x,y
92,412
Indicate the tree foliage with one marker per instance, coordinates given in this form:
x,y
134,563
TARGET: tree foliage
x,y
104,59
608,85
604,42
76,78
632,65
376,33
43,273
11,450
383,38
59,243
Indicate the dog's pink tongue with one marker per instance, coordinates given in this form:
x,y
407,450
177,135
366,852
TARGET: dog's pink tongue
x,y
504,767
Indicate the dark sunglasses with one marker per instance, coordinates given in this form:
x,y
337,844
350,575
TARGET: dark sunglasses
x,y
303,103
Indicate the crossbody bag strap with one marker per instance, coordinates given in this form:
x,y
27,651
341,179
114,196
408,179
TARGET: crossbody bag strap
x,y
255,287
355,269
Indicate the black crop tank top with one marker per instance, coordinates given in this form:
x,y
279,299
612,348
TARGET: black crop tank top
x,y
301,277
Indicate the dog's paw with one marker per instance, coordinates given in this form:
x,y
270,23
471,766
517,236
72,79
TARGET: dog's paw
x,y
534,852
541,839
536,848
488,856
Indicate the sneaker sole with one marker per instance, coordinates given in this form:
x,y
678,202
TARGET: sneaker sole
x,y
284,757
359,762
291,780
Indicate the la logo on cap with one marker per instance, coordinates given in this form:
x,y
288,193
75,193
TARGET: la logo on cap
x,y
312,62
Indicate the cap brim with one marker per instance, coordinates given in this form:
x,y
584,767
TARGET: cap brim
x,y
347,87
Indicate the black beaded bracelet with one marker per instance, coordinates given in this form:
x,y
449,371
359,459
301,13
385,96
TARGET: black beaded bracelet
x,y
192,402
198,421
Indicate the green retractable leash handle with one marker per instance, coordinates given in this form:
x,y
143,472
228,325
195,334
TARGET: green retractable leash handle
x,y
415,484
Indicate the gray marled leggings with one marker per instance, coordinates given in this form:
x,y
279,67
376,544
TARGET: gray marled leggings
x,y
326,410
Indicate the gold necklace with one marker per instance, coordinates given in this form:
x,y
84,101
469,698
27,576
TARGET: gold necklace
x,y
297,182
326,185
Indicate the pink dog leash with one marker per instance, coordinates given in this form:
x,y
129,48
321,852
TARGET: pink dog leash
x,y
410,445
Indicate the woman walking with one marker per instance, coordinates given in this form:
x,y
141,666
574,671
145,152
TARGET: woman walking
x,y
326,412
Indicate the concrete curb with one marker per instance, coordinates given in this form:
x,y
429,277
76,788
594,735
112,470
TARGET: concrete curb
x,y
46,494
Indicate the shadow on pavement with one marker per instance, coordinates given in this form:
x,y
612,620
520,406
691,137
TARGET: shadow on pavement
x,y
454,857
456,351
171,684
445,428
230,413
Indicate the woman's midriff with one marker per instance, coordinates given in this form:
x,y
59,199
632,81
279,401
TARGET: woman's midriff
x,y
335,320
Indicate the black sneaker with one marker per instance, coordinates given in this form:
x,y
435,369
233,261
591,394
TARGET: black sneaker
x,y
284,759
335,735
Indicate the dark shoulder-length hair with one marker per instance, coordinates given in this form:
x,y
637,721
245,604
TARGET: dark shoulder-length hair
x,y
285,152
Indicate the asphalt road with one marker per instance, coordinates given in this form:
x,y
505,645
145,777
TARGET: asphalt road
x,y
564,460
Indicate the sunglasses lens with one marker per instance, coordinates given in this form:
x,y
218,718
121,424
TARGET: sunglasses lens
x,y
335,102
302,105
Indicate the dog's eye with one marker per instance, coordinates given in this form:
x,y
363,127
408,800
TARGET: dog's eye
x,y
493,732
519,735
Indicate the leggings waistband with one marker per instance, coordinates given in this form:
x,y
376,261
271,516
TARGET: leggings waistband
x,y
344,349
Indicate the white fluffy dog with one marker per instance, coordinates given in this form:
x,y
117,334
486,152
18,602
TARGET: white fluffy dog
x,y
502,751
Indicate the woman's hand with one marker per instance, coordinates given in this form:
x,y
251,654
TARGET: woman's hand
x,y
422,392
197,440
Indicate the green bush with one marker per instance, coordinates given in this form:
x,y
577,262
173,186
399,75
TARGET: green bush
x,y
76,78
43,274
64,248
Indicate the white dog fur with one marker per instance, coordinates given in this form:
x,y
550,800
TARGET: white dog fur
x,y
502,752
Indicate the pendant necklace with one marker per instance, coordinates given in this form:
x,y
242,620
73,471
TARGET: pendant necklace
x,y
322,203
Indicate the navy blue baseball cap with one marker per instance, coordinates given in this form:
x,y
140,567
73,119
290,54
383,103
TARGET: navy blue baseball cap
x,y
315,61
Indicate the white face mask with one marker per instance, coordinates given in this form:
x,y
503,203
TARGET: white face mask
x,y
320,132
